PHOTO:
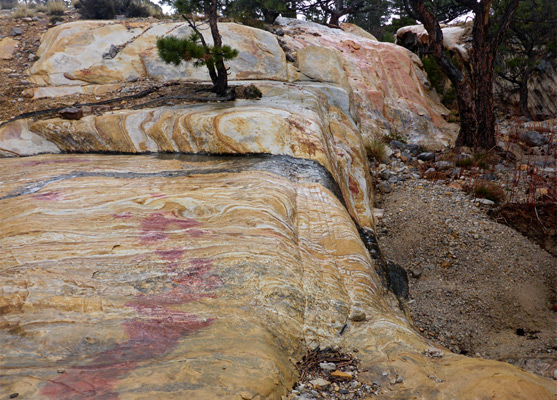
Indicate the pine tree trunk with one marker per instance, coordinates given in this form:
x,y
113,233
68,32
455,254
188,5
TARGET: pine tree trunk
x,y
220,84
523,93
334,20
474,93
270,16
482,59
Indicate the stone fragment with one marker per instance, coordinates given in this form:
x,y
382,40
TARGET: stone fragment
x,y
7,48
441,165
533,138
485,202
395,144
393,179
328,366
345,376
414,149
386,174
111,53
428,156
384,187
320,383
433,352
74,113
16,31
357,315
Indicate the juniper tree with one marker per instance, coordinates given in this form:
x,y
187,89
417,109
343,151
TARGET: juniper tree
x,y
474,88
195,48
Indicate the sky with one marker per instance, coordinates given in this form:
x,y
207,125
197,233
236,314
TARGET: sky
x,y
165,8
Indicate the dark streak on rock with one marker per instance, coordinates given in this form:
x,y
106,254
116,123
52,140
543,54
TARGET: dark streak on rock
x,y
294,169
392,275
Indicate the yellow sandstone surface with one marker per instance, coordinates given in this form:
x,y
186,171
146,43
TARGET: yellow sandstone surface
x,y
202,278
309,121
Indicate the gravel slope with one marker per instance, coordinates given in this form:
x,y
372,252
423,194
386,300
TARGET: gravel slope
x,y
477,287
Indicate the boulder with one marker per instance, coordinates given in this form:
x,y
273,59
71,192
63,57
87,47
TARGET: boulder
x,y
533,138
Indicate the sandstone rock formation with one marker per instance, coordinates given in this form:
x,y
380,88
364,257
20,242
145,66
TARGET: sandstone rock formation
x,y
209,276
383,80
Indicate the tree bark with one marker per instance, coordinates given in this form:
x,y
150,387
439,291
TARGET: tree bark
x,y
482,58
523,93
220,84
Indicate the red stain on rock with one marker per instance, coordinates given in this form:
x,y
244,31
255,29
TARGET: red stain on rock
x,y
353,185
170,255
155,226
158,328
48,196
148,339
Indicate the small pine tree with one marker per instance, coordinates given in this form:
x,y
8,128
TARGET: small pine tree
x,y
175,50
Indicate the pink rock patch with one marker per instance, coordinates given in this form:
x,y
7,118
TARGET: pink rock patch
x,y
48,196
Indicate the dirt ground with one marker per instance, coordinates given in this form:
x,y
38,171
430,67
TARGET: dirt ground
x,y
477,287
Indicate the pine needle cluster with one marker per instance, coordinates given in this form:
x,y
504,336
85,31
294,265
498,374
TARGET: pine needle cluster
x,y
175,50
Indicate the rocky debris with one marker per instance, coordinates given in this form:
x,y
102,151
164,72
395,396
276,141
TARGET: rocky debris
x,y
340,383
432,352
384,187
472,281
533,138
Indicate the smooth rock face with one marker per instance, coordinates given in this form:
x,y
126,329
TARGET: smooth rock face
x,y
199,277
384,81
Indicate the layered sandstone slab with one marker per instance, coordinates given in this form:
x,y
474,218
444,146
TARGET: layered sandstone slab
x,y
202,278
385,81
308,121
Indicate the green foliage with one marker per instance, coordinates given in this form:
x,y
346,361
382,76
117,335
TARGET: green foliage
x,y
531,39
250,11
439,80
388,37
108,9
175,50
434,73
